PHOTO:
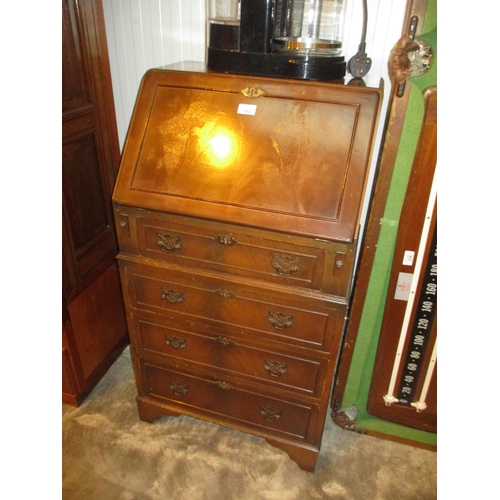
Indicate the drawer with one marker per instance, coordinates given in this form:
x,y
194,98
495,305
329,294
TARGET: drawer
x,y
230,354
226,401
205,299
230,249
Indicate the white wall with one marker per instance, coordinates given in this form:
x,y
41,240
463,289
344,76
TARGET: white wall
x,y
144,34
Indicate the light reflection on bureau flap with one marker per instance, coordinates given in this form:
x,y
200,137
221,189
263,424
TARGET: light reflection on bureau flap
x,y
200,147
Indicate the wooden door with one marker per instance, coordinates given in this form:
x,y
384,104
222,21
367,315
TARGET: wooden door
x,y
94,330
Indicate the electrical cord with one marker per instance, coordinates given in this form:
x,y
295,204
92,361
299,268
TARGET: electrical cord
x,y
360,63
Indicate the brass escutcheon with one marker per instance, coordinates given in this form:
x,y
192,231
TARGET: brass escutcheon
x,y
253,92
224,340
227,294
223,385
227,241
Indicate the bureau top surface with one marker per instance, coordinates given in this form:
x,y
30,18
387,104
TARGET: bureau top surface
x,y
284,155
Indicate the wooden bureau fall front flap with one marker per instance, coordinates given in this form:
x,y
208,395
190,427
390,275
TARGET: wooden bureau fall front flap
x,y
237,209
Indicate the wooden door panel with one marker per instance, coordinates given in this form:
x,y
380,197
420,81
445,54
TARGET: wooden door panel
x,y
74,86
87,209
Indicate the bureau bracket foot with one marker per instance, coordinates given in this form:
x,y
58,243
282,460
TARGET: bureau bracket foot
x,y
305,458
150,412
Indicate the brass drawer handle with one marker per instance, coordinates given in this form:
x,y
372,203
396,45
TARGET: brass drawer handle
x,y
224,340
227,241
178,388
279,320
271,414
168,243
226,386
275,368
172,296
285,264
175,342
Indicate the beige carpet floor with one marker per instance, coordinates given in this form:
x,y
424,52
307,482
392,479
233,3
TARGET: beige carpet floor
x,y
109,454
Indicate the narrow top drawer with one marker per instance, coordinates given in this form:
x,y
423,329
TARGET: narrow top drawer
x,y
230,249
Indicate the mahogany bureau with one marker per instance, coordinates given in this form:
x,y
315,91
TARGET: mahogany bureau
x,y
237,209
